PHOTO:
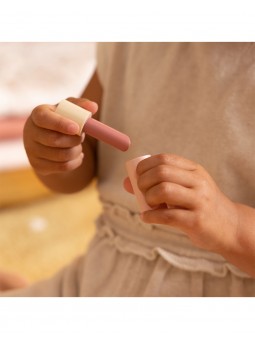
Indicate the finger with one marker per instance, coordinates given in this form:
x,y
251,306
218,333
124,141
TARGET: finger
x,y
45,117
58,154
55,139
46,167
84,103
172,194
178,218
128,186
165,159
167,173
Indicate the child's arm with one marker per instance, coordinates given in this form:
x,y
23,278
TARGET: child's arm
x,y
198,208
62,160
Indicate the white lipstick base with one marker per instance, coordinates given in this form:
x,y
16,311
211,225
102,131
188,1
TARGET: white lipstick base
x,y
92,127
131,166
74,113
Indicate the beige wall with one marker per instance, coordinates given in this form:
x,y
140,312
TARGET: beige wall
x,y
34,73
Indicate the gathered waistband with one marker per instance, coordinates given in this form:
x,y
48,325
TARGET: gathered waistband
x,y
129,234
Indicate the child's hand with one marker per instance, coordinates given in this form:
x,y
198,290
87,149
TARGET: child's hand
x,y
50,140
196,205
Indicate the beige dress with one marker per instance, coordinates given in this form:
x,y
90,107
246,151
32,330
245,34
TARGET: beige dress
x,y
196,100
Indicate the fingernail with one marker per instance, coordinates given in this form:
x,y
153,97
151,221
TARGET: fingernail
x,y
90,101
82,137
95,105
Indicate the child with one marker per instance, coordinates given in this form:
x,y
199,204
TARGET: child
x,y
190,105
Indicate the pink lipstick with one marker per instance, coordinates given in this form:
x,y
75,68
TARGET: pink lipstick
x,y
93,127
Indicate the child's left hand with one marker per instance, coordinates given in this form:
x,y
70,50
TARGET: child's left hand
x,y
196,204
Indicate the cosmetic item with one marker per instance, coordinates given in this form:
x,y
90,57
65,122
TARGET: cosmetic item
x,y
131,166
93,127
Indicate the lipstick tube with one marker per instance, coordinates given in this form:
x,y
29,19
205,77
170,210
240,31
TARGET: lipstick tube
x,y
93,127
131,166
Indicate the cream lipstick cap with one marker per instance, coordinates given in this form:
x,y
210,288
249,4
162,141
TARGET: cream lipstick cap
x,y
92,127
131,166
73,112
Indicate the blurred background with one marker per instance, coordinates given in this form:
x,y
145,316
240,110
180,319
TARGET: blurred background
x,y
39,231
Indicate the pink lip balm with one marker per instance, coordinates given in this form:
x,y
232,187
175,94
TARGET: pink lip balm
x,y
92,126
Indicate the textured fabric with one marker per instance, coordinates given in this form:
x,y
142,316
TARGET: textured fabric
x,y
192,99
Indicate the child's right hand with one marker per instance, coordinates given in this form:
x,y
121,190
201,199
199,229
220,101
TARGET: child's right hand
x,y
51,141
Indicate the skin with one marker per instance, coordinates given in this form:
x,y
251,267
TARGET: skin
x,y
67,163
60,158
197,207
